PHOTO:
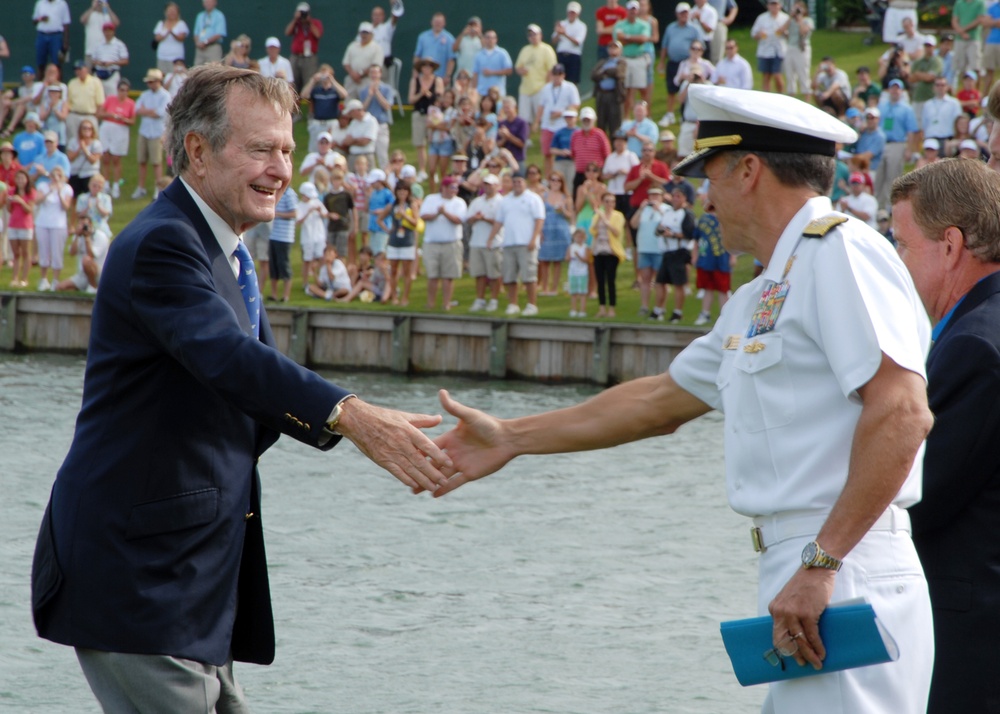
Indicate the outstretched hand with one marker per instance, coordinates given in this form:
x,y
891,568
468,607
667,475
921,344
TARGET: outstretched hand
x,y
394,440
477,446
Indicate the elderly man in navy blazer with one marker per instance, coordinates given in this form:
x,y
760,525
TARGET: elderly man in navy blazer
x,y
948,227
150,559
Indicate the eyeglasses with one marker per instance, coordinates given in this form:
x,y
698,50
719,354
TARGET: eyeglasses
x,y
697,49
775,656
556,178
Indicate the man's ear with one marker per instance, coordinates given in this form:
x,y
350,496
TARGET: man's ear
x,y
197,149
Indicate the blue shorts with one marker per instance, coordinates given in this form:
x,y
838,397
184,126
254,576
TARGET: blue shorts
x,y
442,148
769,65
649,260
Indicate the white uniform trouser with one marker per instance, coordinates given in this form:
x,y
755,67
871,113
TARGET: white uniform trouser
x,y
884,568
796,65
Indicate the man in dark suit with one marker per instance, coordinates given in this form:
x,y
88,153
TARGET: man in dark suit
x,y
150,559
946,221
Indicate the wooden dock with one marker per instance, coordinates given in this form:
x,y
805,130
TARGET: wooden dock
x,y
601,353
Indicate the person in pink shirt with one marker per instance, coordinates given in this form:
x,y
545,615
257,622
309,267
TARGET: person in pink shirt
x,y
117,114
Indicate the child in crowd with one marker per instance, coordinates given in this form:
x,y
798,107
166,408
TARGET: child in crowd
x,y
175,80
358,183
342,219
439,121
579,257
402,249
279,245
310,217
332,279
380,200
714,266
373,284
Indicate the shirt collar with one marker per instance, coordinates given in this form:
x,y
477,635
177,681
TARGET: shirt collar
x,y
223,232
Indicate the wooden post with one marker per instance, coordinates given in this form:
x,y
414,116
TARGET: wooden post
x,y
498,349
401,330
298,337
8,322
602,355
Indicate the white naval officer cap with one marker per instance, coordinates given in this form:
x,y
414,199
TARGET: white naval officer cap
x,y
749,120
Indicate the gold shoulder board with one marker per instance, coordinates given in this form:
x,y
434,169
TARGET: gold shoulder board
x,y
821,226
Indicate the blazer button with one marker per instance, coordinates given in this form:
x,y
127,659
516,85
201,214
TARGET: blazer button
x,y
248,516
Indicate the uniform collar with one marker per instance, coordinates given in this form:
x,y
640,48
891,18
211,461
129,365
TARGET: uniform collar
x,y
790,237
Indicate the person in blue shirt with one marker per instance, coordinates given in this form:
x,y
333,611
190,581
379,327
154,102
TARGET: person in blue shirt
x,y
380,203
899,124
378,103
560,148
50,159
641,130
209,33
436,43
674,49
871,139
492,66
29,144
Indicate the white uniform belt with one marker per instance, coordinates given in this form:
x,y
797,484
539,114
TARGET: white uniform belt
x,y
771,530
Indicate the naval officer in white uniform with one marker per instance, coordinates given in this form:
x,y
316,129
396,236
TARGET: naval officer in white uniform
x,y
818,365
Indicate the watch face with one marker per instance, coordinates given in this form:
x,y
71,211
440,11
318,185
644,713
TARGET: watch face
x,y
809,553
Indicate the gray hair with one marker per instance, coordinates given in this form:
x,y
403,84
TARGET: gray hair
x,y
813,171
201,106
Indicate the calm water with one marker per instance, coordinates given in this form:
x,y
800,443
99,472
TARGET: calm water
x,y
585,583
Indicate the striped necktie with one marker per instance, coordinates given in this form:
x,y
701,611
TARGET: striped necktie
x,y
247,281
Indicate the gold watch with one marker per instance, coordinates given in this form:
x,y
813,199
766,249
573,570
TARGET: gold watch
x,y
813,556
338,412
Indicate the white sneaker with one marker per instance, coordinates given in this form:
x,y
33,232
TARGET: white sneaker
x,y
703,319
116,190
513,309
667,119
700,294
477,305
530,310
140,192
90,290
492,306
44,285
574,313
421,176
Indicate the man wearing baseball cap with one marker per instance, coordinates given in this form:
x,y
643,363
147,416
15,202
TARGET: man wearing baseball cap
x,y
674,49
588,146
568,37
305,31
818,368
360,55
274,65
902,137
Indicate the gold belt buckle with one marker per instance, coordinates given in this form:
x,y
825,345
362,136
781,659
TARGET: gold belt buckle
x,y
758,540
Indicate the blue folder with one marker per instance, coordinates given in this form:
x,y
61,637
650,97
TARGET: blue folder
x,y
851,633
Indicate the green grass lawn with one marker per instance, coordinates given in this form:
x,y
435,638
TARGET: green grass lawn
x,y
847,47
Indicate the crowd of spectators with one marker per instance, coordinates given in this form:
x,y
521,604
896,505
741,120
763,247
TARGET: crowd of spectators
x,y
469,203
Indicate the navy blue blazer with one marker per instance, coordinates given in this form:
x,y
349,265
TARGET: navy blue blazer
x,y
152,540
956,526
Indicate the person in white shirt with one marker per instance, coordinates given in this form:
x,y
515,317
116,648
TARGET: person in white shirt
x,y
108,57
771,45
940,112
859,203
362,133
556,97
616,167
90,246
485,262
359,56
705,17
521,217
444,215
310,217
831,88
323,156
332,278
568,37
52,21
274,65
93,20
733,70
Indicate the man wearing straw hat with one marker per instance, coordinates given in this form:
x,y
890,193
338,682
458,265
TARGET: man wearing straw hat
x,y
818,366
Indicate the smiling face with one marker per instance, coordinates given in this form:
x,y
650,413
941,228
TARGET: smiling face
x,y
243,181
